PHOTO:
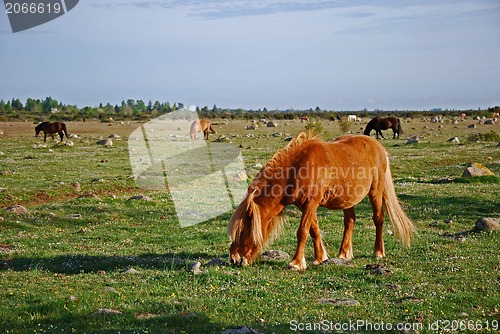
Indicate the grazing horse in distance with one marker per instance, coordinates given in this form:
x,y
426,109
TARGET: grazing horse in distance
x,y
309,173
51,128
204,126
352,118
379,123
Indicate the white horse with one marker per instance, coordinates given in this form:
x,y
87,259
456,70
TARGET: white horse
x,y
352,118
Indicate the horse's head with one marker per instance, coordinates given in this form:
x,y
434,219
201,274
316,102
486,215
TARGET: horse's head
x,y
37,131
245,232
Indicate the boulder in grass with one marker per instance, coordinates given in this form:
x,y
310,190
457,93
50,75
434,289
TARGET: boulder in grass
x,y
476,169
275,255
487,224
17,209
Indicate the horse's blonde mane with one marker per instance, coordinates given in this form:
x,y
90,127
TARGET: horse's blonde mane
x,y
289,150
250,211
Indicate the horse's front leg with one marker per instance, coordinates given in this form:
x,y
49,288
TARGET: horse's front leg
x,y
320,254
346,246
308,216
381,135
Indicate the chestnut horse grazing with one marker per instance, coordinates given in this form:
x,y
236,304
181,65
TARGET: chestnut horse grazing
x,y
51,128
379,123
309,173
204,126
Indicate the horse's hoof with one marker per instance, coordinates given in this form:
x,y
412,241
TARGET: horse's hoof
x,y
378,256
301,266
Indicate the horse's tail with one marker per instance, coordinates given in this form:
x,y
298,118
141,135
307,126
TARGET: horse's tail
x,y
402,225
400,128
65,130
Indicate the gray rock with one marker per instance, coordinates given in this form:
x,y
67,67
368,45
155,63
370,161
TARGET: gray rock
x,y
131,271
76,186
75,216
272,124
241,330
107,311
339,262
17,209
476,169
454,140
275,255
140,197
216,262
195,268
339,301
106,142
487,224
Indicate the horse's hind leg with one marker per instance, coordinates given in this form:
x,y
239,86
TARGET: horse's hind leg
x,y
378,218
346,246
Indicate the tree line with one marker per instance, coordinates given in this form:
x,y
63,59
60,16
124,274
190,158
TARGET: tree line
x,y
49,109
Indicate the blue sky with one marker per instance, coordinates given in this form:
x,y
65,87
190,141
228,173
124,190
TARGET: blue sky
x,y
335,54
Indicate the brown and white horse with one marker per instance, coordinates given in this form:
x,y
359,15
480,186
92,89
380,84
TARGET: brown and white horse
x,y
309,173
204,126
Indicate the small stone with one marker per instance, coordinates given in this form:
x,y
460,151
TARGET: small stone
x,y
17,209
339,262
275,255
76,186
107,311
131,271
195,268
75,216
339,301
88,195
454,140
140,197
216,262
241,330
111,289
73,298
448,221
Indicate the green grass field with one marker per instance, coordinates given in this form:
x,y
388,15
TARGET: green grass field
x,y
67,261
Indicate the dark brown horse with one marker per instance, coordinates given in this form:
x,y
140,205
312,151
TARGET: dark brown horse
x,y
309,173
379,123
51,128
